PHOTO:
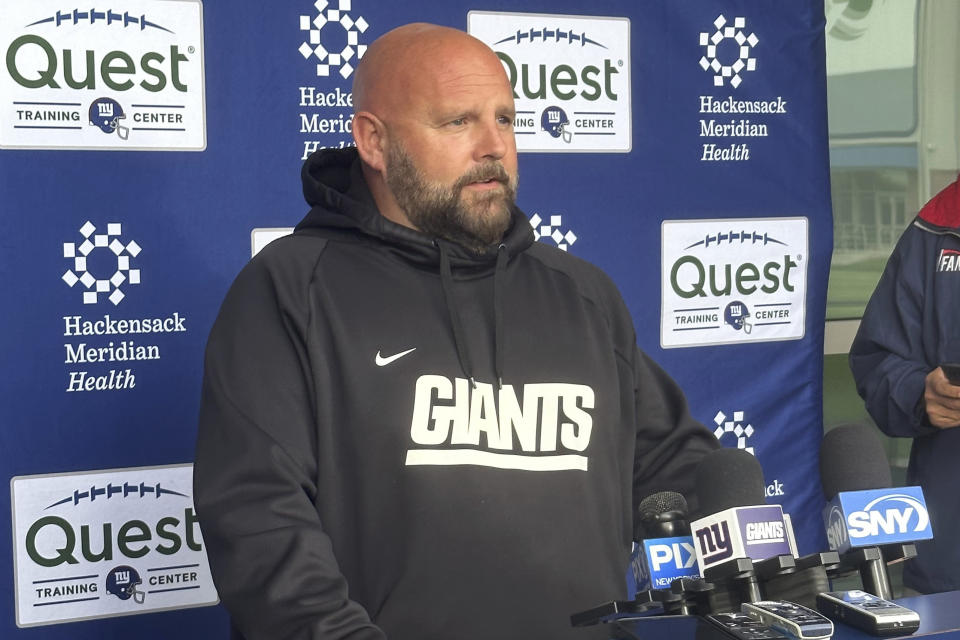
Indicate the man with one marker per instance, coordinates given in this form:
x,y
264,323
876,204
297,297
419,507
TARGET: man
x,y
417,423
910,327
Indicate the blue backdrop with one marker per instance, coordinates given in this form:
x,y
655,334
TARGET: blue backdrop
x,y
694,170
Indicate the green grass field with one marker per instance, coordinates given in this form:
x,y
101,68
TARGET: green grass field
x,y
850,287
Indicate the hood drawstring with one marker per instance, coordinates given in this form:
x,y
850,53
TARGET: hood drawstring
x,y
446,282
502,257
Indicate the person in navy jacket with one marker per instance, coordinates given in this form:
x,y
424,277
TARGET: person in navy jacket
x,y
910,327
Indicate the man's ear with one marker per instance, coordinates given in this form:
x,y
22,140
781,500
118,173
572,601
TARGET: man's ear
x,y
369,132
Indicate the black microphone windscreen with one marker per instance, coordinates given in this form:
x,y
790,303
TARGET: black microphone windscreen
x,y
662,502
728,478
852,459
663,515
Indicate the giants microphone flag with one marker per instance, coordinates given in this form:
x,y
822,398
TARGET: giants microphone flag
x,y
757,532
730,486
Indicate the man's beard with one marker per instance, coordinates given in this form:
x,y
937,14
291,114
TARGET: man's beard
x,y
440,210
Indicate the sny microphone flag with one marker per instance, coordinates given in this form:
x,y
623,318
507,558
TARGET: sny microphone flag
x,y
876,516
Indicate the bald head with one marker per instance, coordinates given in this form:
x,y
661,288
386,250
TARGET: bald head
x,y
433,123
406,61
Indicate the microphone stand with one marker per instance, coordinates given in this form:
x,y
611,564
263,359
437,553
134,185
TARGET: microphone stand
x,y
804,582
688,597
869,562
735,582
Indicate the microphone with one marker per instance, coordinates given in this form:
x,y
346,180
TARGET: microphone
x,y
740,525
867,521
739,530
731,481
666,552
728,478
666,581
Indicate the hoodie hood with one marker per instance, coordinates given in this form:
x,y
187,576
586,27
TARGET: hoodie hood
x,y
341,203
943,210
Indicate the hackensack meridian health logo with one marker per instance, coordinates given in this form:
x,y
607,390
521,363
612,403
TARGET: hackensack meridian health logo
x,y
570,78
341,58
737,427
105,352
119,254
726,281
106,543
738,44
733,129
552,229
127,75
332,43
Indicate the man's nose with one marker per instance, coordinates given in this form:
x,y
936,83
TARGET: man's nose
x,y
491,141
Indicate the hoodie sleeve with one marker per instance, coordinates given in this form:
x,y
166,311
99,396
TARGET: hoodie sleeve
x,y
669,442
887,356
255,470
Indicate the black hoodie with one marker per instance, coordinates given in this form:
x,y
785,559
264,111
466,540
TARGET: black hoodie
x,y
403,439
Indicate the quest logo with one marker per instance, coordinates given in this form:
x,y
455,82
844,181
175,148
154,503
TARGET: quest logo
x,y
570,77
126,77
107,543
727,281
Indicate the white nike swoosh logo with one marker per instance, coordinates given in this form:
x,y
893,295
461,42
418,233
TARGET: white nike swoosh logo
x,y
382,362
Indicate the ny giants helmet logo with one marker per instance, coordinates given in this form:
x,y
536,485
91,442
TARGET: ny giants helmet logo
x,y
122,582
736,315
555,121
106,114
